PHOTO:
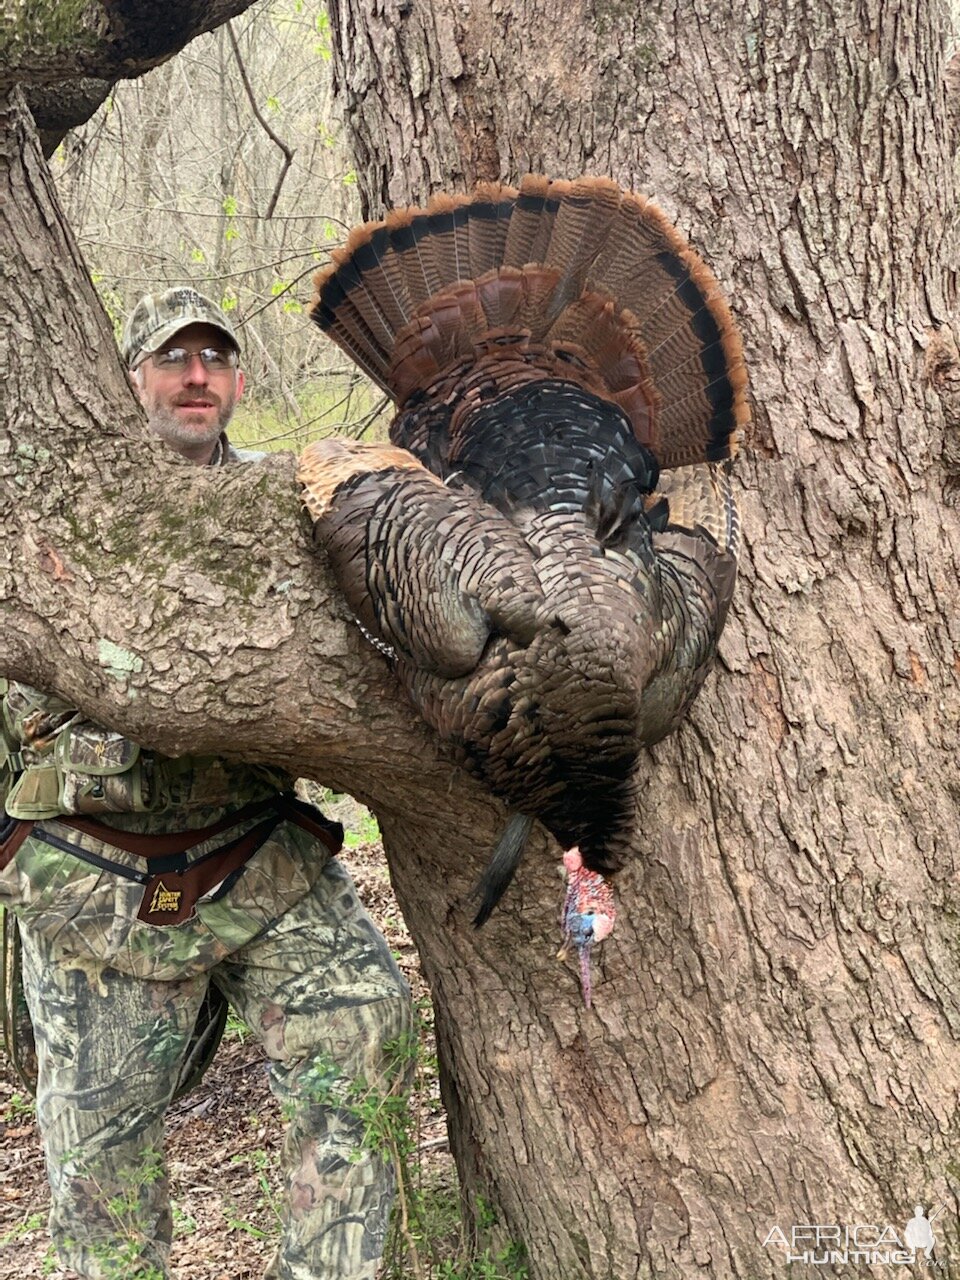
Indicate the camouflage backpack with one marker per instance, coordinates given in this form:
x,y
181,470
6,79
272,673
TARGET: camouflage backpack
x,y
15,1024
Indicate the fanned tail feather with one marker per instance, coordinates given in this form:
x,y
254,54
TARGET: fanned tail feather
x,y
581,227
578,271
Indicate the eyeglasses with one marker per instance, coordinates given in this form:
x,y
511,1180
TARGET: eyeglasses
x,y
178,359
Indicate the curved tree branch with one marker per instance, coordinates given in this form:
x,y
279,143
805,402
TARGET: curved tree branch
x,y
68,57
271,134
59,108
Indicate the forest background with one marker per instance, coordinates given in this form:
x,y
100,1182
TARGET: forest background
x,y
226,168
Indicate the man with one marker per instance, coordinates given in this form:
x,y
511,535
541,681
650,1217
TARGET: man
x,y
138,881
183,358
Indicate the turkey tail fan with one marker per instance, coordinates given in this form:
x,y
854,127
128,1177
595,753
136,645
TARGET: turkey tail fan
x,y
577,272
581,225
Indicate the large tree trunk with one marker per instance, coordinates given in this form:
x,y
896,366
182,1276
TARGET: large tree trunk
x,y
776,1039
775,1033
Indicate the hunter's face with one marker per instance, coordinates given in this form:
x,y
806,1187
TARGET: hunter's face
x,y
189,388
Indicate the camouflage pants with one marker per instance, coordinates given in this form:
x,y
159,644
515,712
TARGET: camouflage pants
x,y
322,992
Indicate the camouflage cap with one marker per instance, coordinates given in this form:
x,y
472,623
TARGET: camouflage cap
x,y
158,316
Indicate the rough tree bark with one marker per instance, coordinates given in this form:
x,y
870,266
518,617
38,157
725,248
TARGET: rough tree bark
x,y
776,1033
69,55
777,1041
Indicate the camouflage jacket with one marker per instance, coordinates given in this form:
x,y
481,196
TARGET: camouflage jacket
x,y
88,892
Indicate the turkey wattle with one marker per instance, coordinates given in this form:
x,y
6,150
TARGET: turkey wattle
x,y
548,547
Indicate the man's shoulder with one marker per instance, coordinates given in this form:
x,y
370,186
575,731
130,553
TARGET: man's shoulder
x,y
245,455
225,453
230,453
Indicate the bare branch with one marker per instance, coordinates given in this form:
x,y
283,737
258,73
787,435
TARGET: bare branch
x,y
278,141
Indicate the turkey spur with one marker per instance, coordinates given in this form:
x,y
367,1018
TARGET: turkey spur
x,y
548,546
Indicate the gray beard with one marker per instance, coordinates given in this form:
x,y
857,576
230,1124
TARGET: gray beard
x,y
169,427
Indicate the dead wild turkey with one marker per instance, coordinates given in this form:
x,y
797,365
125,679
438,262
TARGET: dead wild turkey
x,y
550,598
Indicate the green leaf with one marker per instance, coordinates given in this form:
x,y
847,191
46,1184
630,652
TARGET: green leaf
x,y
322,25
230,206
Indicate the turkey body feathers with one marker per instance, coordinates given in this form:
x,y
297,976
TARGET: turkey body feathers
x,y
552,591
494,629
